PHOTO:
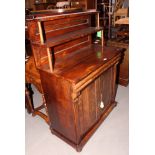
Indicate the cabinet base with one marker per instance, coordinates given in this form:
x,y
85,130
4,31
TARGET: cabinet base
x,y
84,140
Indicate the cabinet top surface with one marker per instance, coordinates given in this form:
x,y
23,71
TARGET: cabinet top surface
x,y
78,65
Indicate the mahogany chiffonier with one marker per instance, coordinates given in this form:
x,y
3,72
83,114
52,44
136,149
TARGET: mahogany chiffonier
x,y
77,76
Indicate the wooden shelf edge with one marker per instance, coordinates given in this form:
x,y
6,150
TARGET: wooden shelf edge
x,y
68,37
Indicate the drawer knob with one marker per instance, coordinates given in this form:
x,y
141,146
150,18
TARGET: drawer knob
x,y
102,105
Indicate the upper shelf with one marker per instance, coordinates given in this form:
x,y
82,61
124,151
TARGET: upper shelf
x,y
52,15
53,41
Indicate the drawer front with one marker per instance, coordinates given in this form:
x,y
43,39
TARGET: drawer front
x,y
93,100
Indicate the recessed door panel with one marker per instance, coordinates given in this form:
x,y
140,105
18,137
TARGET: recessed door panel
x,y
93,100
105,91
88,107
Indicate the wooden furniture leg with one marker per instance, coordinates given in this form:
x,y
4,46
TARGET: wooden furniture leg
x,y
41,114
28,100
30,107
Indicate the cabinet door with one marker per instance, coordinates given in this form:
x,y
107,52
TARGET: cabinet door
x,y
87,108
93,100
104,91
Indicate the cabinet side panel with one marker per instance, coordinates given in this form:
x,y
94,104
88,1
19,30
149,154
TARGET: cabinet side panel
x,y
40,55
59,104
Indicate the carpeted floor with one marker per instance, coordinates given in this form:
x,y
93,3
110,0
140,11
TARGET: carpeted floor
x,y
111,138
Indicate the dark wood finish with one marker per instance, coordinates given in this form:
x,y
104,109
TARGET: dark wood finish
x,y
86,4
72,34
78,77
90,4
28,100
41,6
123,70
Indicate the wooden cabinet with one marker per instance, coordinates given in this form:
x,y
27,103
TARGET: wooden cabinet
x,y
77,76
123,69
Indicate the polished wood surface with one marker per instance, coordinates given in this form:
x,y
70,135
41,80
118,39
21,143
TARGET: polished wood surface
x,y
75,109
78,78
62,38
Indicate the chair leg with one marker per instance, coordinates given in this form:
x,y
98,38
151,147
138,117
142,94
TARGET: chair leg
x,y
41,114
30,106
45,106
28,100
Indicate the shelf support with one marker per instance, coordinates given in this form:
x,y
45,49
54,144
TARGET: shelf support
x,y
97,20
41,32
102,38
50,60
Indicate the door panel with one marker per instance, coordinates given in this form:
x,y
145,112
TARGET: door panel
x,y
89,107
88,104
105,91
